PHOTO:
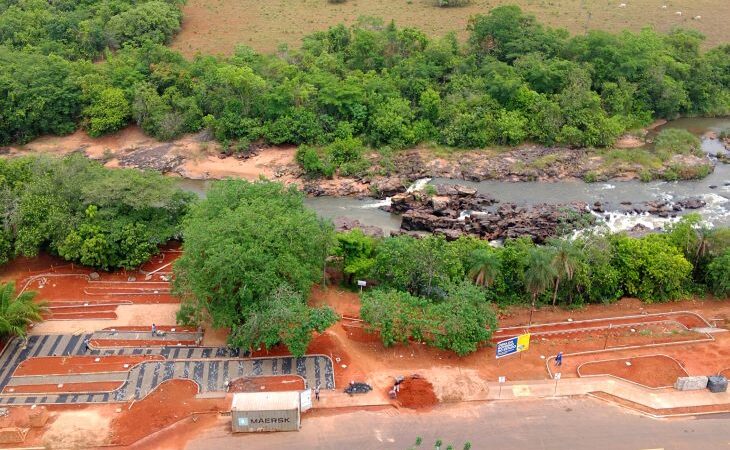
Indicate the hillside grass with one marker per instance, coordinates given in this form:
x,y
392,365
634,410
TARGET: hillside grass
x,y
217,26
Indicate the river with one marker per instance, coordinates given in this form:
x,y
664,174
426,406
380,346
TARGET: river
x,y
713,189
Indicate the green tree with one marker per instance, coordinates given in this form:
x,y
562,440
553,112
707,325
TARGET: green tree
x,y
565,261
16,313
651,268
149,22
540,272
242,243
464,320
358,253
108,113
283,318
484,267
718,275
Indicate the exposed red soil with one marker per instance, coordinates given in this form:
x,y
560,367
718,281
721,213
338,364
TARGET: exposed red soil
x,y
688,320
267,384
177,435
172,401
344,302
96,386
66,365
652,371
60,283
19,416
146,343
416,393
107,313
357,332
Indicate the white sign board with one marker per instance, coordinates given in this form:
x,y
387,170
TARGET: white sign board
x,y
557,375
362,283
305,400
502,379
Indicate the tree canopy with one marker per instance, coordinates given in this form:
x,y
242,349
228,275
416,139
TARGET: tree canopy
x,y
17,312
369,84
251,254
84,212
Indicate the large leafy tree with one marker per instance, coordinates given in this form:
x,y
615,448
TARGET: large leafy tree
x,y
17,312
651,268
87,213
460,322
242,244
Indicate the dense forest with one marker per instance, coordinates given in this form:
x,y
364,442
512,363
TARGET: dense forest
x,y
84,212
103,64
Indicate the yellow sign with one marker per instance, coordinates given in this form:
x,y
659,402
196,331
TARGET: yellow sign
x,y
523,342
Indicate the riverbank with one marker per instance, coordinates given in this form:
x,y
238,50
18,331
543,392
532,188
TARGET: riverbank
x,y
198,157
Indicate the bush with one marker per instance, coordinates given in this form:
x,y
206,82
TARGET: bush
x,y
151,22
675,141
651,268
310,160
451,3
109,112
718,275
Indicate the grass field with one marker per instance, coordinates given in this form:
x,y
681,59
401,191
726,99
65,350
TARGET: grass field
x,y
217,26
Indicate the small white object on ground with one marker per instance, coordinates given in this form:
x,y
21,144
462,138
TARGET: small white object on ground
x,y
628,363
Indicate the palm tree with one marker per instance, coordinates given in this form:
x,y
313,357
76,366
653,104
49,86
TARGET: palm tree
x,y
484,267
565,262
16,313
540,273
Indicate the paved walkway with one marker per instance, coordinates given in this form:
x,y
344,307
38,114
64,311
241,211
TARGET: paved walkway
x,y
209,367
652,398
168,336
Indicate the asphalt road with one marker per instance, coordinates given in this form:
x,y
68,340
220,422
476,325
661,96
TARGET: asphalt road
x,y
560,424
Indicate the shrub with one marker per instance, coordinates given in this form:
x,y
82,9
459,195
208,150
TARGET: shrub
x,y
718,275
675,141
451,3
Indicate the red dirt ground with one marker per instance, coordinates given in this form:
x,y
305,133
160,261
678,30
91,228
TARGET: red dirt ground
x,y
117,343
65,365
416,393
270,384
96,386
60,283
170,402
655,371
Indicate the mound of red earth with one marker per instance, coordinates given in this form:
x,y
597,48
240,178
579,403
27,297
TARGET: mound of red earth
x,y
416,393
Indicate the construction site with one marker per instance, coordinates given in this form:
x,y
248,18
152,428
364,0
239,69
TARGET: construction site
x,y
109,367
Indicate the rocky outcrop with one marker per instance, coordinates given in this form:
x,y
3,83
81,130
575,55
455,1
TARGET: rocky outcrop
x,y
348,224
158,158
661,208
454,211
